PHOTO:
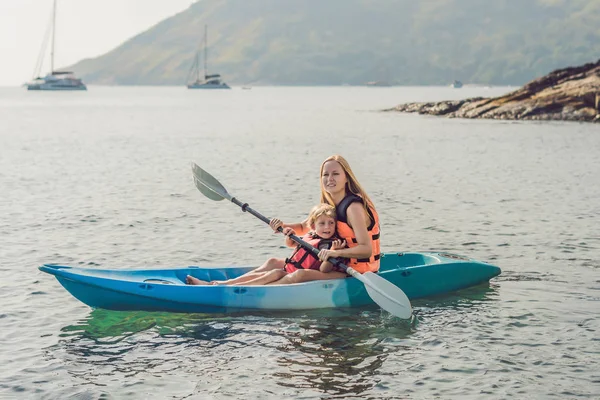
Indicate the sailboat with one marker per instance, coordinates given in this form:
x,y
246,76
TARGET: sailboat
x,y
54,80
210,81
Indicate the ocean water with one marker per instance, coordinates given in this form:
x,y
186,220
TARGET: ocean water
x,y
102,179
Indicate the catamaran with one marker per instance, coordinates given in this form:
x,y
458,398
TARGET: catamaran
x,y
210,81
54,80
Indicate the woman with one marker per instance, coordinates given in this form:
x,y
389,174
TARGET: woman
x,y
357,223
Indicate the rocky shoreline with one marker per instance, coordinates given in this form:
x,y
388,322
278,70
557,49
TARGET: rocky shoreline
x,y
569,94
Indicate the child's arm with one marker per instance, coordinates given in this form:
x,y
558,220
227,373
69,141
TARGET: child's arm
x,y
288,240
326,266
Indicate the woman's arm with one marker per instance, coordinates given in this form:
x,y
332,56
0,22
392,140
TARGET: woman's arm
x,y
301,228
358,220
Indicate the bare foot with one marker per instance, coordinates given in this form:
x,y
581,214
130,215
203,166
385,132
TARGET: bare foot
x,y
190,280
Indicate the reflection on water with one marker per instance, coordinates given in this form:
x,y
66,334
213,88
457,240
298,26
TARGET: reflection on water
x,y
338,356
335,352
466,299
104,326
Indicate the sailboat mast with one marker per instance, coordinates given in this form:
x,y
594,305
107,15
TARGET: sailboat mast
x,y
205,51
53,35
197,65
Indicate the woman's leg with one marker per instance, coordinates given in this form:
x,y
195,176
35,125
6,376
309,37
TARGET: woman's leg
x,y
265,278
307,275
269,265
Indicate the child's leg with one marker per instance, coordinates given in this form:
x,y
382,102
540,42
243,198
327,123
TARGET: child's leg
x,y
190,280
269,265
265,278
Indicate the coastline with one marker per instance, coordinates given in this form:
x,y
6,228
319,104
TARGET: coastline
x,y
568,94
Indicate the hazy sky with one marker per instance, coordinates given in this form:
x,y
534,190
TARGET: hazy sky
x,y
85,28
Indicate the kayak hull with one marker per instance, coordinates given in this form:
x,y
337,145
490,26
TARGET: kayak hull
x,y
417,274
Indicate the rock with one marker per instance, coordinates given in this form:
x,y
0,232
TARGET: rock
x,y
569,94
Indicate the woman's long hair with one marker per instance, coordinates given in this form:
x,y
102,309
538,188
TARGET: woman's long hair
x,y
352,184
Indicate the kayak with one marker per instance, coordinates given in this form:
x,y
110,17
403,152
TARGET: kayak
x,y
418,274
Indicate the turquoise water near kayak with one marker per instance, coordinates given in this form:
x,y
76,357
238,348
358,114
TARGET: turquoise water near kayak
x,y
102,179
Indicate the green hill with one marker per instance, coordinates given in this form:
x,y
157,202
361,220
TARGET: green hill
x,y
331,42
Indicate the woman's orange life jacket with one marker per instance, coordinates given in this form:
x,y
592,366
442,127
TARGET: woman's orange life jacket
x,y
302,258
344,231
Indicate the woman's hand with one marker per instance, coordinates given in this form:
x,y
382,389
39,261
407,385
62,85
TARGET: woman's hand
x,y
325,254
275,224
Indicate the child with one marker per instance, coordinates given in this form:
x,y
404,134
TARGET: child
x,y
322,222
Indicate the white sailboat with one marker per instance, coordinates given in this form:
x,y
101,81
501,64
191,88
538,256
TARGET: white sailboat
x,y
54,80
210,81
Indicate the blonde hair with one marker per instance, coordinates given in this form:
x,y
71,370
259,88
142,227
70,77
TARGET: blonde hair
x,y
352,184
318,211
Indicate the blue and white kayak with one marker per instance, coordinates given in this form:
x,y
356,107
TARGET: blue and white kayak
x,y
417,274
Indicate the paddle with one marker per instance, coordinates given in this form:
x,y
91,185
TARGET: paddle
x,y
387,295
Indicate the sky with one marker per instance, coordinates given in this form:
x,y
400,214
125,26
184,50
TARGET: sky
x,y
85,29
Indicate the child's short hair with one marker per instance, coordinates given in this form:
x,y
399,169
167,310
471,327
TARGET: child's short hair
x,y
319,210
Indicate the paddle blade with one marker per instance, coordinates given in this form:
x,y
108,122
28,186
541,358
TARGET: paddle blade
x,y
208,185
387,295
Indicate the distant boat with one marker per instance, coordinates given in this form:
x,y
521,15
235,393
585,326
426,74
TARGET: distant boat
x,y
210,81
54,80
457,84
